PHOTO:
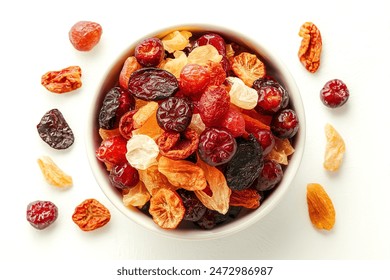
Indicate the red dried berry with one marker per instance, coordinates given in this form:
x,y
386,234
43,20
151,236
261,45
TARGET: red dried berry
x,y
266,140
41,214
152,84
272,96
126,124
234,122
84,35
149,52
213,39
174,114
213,105
112,150
285,124
123,176
334,94
270,176
216,146
194,79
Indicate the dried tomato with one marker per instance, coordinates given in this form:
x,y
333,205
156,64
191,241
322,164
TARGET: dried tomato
x,y
90,215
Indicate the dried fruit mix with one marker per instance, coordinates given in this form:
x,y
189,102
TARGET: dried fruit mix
x,y
201,120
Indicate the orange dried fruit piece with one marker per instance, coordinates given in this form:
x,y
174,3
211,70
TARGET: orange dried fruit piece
x,y
154,179
136,196
131,64
321,210
149,128
248,198
203,54
219,198
281,151
166,208
144,113
176,40
182,174
90,215
53,174
108,133
335,149
248,67
176,64
311,46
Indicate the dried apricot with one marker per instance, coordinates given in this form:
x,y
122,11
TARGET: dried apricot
x,y
90,215
248,68
131,65
53,174
137,196
166,208
154,179
176,64
335,149
321,210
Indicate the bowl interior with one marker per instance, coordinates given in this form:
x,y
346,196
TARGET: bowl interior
x,y
274,68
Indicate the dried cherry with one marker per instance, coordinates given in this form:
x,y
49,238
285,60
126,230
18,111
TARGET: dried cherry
x,y
285,124
151,83
272,95
55,131
270,175
174,114
244,167
123,176
149,52
194,79
334,94
216,146
41,214
112,150
212,39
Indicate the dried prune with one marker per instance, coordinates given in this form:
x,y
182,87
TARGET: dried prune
x,y
115,104
151,83
55,131
246,164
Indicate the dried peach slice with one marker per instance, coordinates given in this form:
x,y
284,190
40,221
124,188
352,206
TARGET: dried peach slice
x,y
166,208
248,67
53,174
220,192
321,210
137,196
335,149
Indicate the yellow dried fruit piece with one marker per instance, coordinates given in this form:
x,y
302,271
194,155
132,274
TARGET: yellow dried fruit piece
x,y
166,208
335,149
175,65
107,133
281,151
203,54
321,210
248,67
182,174
176,40
144,113
220,198
136,196
154,179
53,174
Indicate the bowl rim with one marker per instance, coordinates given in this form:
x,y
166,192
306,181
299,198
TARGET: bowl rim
x,y
243,222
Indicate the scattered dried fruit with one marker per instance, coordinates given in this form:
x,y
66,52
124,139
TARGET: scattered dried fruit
x,y
65,80
90,215
41,214
55,131
311,46
85,35
321,210
53,174
166,208
334,94
335,149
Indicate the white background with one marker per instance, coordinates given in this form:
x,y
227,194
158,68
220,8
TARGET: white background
x,y
356,46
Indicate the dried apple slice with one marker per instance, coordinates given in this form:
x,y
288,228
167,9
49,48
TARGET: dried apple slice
x,y
166,208
335,149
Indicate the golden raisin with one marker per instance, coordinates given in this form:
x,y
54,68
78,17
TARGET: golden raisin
x,y
311,46
321,210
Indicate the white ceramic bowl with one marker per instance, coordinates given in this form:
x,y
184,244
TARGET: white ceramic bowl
x,y
274,68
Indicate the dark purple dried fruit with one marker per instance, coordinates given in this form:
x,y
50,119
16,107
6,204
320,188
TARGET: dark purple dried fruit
x,y
55,131
151,83
110,106
174,114
194,207
213,218
246,164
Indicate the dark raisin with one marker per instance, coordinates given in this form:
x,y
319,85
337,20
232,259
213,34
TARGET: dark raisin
x,y
115,104
243,169
152,84
194,207
41,214
174,114
55,131
213,218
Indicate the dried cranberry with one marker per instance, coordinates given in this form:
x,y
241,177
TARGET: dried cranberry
x,y
123,176
194,207
212,39
194,79
112,150
266,140
244,167
152,84
149,52
272,96
285,124
41,214
174,114
334,94
216,146
116,102
55,131
270,175
213,105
